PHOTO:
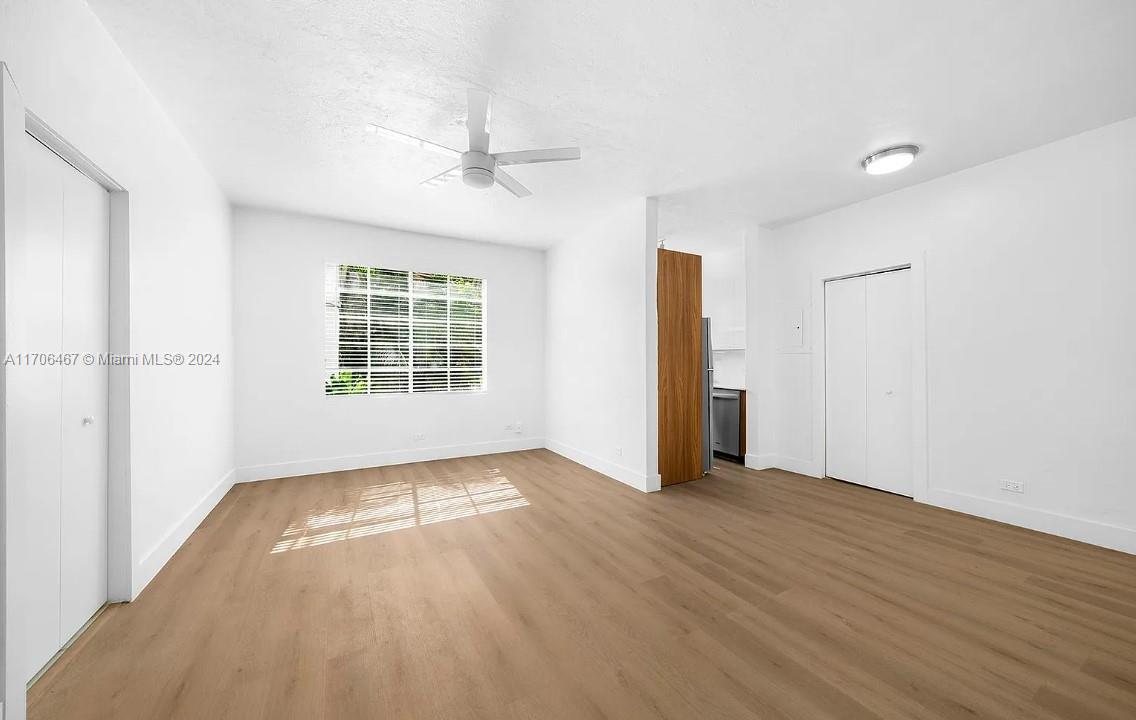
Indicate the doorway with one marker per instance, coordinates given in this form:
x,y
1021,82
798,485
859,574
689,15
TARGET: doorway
x,y
868,380
60,393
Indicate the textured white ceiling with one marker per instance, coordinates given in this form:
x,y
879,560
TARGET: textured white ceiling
x,y
757,107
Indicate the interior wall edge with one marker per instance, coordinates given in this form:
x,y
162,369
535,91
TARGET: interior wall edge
x,y
640,481
651,339
316,466
152,562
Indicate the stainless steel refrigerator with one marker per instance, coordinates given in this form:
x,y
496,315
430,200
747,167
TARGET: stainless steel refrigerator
x,y
707,395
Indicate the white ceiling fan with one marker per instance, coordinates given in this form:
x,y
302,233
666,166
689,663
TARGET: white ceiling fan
x,y
479,168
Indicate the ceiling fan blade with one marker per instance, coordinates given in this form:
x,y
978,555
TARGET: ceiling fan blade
x,y
477,121
443,177
523,157
510,183
374,129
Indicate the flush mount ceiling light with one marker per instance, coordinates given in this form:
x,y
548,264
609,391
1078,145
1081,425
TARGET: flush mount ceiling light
x,y
890,159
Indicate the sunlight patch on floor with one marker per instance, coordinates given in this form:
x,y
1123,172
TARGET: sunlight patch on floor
x,y
392,506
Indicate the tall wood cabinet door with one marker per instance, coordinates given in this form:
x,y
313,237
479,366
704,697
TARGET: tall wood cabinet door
x,y
680,359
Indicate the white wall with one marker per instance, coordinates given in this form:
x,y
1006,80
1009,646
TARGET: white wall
x,y
287,426
70,73
1030,310
601,368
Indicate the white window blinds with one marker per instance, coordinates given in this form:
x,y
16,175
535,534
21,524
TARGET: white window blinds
x,y
398,331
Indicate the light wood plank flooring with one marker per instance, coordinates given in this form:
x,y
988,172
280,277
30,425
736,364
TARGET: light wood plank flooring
x,y
525,586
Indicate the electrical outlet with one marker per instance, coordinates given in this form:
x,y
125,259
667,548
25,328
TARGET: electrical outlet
x,y
619,452
418,437
518,427
1013,486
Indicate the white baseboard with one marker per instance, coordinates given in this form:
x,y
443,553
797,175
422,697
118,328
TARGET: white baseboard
x,y
625,475
1090,531
157,557
654,484
760,462
782,462
394,457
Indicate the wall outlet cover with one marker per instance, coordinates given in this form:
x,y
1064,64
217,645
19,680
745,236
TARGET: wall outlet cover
x,y
1013,486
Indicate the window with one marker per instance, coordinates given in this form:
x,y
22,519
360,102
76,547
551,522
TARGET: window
x,y
398,331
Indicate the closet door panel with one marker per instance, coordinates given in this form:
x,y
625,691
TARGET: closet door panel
x,y
86,226
34,392
889,382
845,389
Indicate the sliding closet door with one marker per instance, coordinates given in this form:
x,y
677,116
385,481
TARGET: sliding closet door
x,y
845,343
889,382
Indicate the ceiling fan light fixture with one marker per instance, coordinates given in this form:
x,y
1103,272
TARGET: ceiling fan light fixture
x,y
477,169
479,178
890,159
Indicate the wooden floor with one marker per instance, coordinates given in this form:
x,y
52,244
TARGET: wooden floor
x,y
525,586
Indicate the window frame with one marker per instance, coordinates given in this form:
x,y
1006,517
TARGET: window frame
x,y
334,289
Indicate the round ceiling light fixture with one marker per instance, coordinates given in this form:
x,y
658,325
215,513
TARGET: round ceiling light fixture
x,y
890,159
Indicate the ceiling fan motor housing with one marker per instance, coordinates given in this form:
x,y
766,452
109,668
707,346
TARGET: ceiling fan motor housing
x,y
477,169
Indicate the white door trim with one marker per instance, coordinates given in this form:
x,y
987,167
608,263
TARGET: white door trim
x,y
839,271
70,154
